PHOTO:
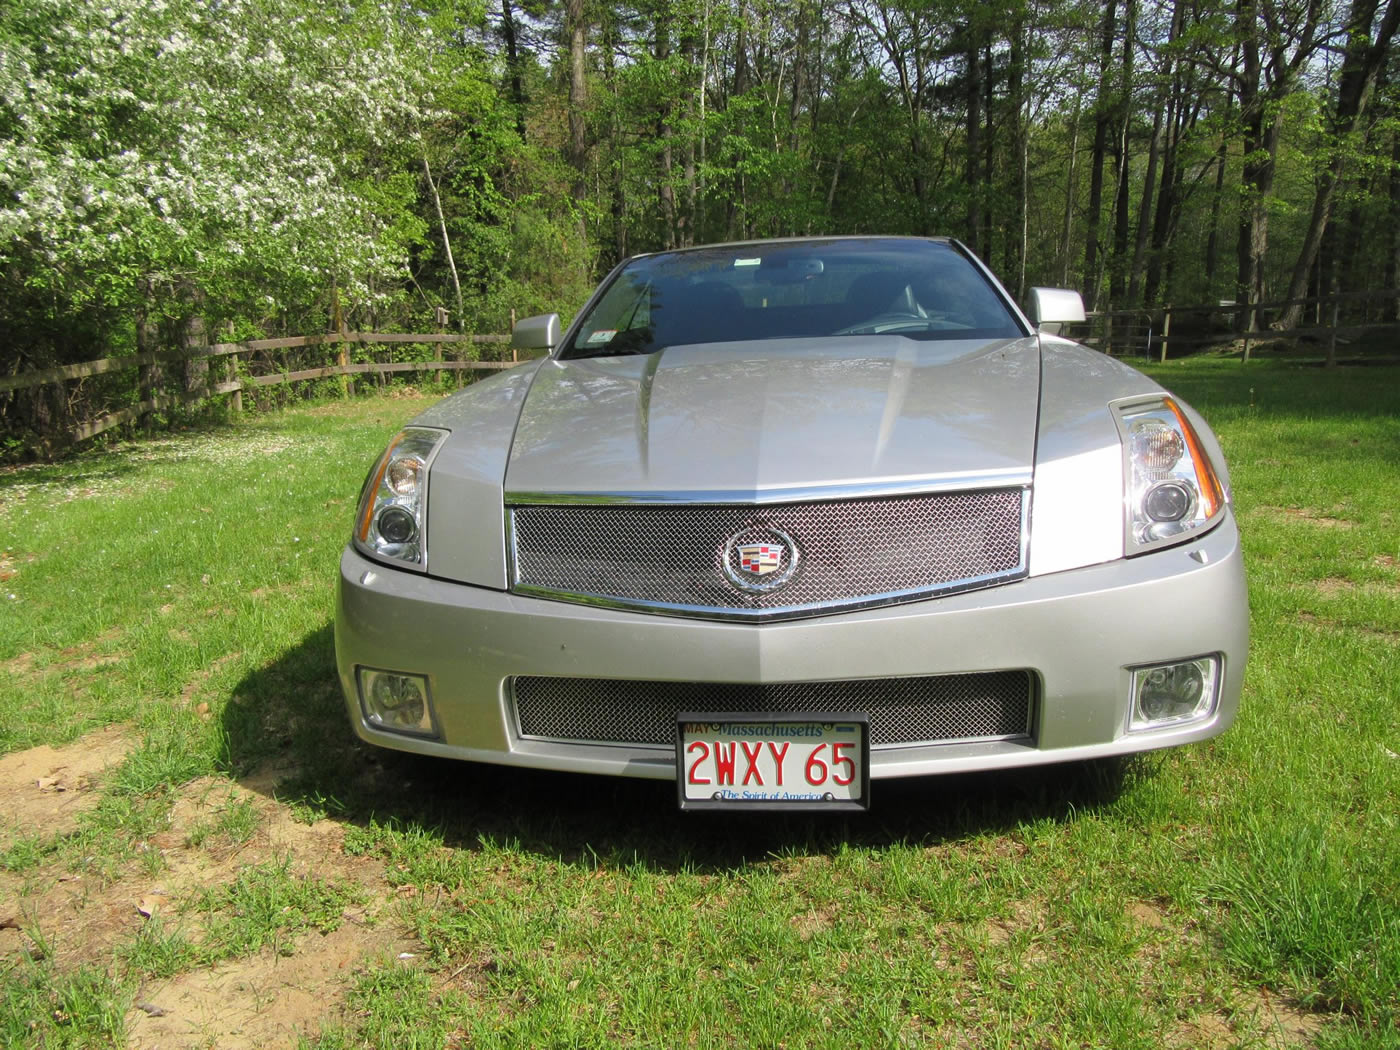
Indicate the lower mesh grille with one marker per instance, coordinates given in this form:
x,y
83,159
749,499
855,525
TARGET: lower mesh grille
x,y
936,709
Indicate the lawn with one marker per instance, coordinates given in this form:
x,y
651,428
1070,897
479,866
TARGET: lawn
x,y
213,860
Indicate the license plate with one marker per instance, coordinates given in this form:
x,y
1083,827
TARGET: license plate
x,y
773,761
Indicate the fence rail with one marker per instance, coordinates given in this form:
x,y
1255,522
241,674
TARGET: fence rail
x,y
52,423
139,385
1335,321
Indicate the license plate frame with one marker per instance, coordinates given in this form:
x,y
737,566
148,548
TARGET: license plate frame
x,y
769,730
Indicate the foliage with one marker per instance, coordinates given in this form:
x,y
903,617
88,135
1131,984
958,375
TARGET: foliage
x,y
276,166
159,157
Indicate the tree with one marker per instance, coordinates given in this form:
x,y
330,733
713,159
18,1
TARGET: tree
x,y
1367,48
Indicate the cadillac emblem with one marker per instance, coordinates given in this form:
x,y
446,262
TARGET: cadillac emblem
x,y
759,560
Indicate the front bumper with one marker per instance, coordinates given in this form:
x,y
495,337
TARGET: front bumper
x,y
1078,633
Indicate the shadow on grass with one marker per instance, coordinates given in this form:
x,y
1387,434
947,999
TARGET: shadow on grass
x,y
288,733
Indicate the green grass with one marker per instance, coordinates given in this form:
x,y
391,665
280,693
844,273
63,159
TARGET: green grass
x,y
1242,892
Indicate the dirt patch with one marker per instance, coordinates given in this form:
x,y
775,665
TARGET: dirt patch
x,y
1306,515
203,846
85,657
1255,1019
9,564
279,591
19,665
1336,587
1333,587
813,922
274,998
195,684
267,1001
214,831
1279,1022
1146,915
45,788
1025,916
1205,1032
1374,633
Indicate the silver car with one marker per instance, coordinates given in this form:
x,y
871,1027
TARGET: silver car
x,y
778,519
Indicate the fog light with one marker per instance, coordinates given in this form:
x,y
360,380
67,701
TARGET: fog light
x,y
398,702
1173,694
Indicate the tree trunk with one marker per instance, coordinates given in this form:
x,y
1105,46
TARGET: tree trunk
x,y
989,147
1252,239
1261,144
1213,238
577,29
1361,67
665,190
1392,261
617,190
1145,211
1067,232
1164,217
517,89
1119,267
1018,233
974,141
1262,119
1103,117
446,242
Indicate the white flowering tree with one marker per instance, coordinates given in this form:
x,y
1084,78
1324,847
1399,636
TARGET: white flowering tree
x,y
228,156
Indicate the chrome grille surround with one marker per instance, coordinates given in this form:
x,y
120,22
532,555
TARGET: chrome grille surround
x,y
670,556
904,712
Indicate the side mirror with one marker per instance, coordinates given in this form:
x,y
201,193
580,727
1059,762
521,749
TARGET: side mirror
x,y
1052,307
540,332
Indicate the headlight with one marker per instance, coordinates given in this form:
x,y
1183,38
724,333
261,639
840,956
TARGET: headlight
x,y
393,505
1171,485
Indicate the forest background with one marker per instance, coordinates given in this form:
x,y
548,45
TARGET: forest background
x,y
261,167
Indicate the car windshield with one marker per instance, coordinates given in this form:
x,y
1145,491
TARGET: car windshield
x,y
798,289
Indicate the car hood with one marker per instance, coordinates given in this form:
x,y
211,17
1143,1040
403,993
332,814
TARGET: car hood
x,y
749,420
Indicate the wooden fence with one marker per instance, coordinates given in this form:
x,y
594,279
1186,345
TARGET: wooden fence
x,y
1335,324
55,417
75,402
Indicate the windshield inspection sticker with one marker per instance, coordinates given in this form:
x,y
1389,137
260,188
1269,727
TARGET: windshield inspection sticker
x,y
603,335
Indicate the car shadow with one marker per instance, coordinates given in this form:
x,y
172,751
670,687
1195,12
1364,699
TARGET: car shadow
x,y
288,736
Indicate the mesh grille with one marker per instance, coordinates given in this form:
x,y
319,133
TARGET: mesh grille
x,y
846,550
940,708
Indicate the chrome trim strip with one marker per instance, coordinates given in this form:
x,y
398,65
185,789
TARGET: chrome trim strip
x,y
1011,477
667,749
785,612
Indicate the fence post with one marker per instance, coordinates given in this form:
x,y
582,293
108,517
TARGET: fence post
x,y
151,378
343,357
52,419
196,366
1166,331
1332,338
236,402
